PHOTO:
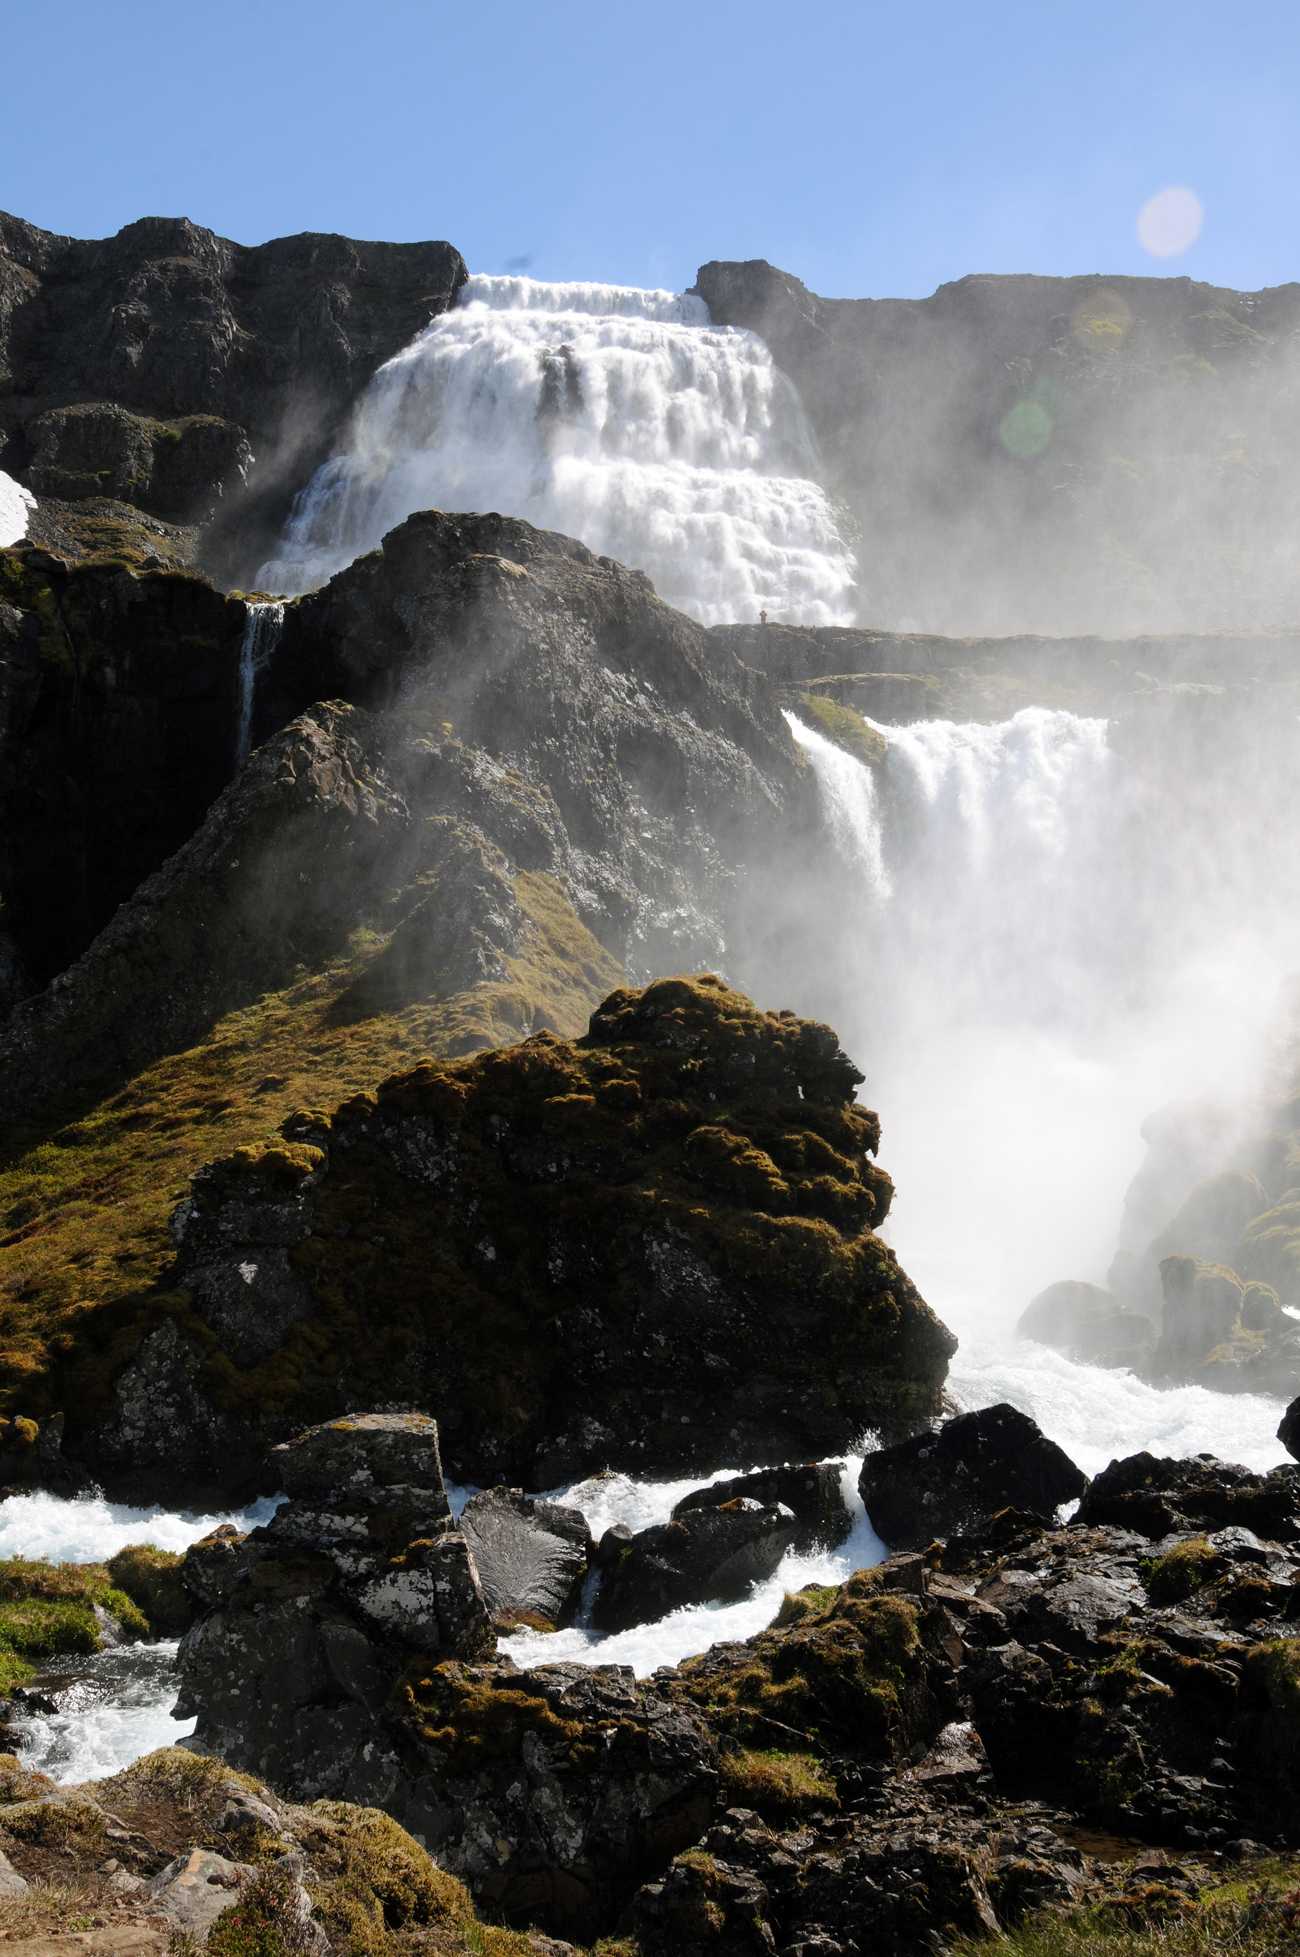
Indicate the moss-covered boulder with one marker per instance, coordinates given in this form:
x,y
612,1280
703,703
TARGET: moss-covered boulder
x,y
652,1248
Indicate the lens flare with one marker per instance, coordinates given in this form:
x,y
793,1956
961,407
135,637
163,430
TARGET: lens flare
x,y
1026,430
1169,222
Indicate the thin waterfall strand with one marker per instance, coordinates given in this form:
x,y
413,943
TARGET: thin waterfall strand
x,y
617,416
261,636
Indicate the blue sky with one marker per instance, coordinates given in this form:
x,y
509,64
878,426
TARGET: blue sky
x,y
871,149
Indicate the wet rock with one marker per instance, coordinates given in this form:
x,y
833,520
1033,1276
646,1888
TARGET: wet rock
x,y
708,1554
531,1556
936,1484
1289,1429
210,1567
812,1491
1157,1497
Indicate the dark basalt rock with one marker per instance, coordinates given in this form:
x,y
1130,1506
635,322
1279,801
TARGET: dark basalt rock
x,y
531,1556
1156,1497
583,1253
813,1492
709,1554
156,364
974,1465
1289,1429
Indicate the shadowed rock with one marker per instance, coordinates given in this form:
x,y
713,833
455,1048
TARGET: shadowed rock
x,y
709,1554
813,1492
935,1484
531,1556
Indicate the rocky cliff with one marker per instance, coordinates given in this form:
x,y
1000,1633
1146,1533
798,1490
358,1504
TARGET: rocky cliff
x,y
179,374
1101,455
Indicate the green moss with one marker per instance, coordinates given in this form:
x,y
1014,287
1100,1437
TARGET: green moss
x,y
150,1577
841,1669
801,1603
1169,1578
47,1610
87,1183
778,1785
471,1718
846,727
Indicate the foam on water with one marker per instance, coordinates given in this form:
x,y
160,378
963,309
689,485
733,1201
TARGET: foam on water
x,y
614,415
16,506
610,1498
116,1705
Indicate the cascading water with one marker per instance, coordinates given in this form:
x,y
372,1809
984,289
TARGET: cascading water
x,y
261,635
614,415
1050,943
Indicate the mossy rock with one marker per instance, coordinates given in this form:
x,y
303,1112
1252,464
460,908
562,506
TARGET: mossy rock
x,y
847,728
591,1248
47,1610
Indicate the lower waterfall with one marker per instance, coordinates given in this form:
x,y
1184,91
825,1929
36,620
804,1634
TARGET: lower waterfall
x,y
1052,940
617,416
261,633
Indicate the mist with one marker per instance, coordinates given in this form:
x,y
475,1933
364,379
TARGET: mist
x,y
1066,898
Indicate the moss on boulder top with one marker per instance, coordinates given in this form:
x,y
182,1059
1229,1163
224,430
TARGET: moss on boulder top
x,y
652,1247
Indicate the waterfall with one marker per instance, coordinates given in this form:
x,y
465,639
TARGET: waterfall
x,y
618,416
1060,927
261,636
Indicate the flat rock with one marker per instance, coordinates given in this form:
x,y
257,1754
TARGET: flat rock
x,y
197,1886
531,1556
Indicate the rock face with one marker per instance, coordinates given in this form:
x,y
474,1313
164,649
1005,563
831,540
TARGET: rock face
x,y
977,405
1088,1323
1158,1497
580,1254
185,373
1289,1429
556,720
935,1484
708,1555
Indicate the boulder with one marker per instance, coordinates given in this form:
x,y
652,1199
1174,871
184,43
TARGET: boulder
x,y
1289,1429
328,1602
1088,1323
197,1887
813,1491
937,1484
709,1554
1202,1311
531,1556
1157,1497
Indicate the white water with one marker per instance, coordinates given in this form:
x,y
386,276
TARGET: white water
x,y
115,1706
1043,953
614,415
261,634
16,506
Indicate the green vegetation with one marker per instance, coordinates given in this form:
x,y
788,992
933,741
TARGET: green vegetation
x,y
47,1610
150,1577
779,1786
1254,1913
88,1182
1168,1579
846,727
840,1668
799,1603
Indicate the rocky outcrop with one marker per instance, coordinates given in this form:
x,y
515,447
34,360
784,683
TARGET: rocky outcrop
x,y
1087,1323
1157,1497
578,1254
709,1555
1040,454
188,374
1289,1429
555,720
955,1479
